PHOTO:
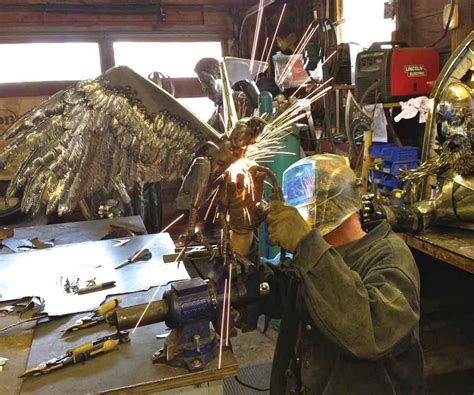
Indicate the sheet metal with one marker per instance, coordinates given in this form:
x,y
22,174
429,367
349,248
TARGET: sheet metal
x,y
43,273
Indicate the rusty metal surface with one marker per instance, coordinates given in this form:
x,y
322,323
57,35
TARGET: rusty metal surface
x,y
453,246
43,273
129,367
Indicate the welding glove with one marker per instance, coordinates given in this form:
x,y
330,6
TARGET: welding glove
x,y
286,227
241,200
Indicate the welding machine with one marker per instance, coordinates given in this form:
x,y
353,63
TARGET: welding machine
x,y
402,71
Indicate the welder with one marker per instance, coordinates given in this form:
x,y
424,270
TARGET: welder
x,y
348,300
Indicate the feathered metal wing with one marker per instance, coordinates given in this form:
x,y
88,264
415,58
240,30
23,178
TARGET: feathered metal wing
x,y
118,128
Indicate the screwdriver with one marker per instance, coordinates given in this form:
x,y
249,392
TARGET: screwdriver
x,y
143,255
73,356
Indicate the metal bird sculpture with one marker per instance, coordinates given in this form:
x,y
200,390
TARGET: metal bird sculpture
x,y
116,130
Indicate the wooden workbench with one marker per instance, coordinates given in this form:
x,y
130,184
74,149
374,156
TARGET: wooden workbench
x,y
450,245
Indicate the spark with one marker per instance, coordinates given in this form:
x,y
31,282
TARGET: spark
x,y
146,308
222,324
299,49
213,144
228,305
256,34
213,198
275,34
215,215
261,59
328,58
156,236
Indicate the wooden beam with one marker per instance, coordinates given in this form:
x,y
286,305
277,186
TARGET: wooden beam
x,y
184,87
465,23
404,21
107,56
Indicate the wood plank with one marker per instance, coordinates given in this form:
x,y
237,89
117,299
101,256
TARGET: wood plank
x,y
466,18
184,87
436,244
421,7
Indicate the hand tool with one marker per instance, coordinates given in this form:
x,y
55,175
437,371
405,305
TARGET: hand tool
x,y
79,354
95,287
144,255
95,317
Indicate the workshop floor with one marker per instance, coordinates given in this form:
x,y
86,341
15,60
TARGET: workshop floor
x,y
254,352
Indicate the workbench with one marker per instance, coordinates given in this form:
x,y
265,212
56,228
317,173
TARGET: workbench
x,y
127,370
450,245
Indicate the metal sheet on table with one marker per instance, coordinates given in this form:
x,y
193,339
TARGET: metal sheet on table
x,y
43,273
128,366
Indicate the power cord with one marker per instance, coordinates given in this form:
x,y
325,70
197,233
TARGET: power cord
x,y
250,386
446,29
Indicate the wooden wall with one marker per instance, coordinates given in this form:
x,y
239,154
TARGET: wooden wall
x,y
164,16
420,23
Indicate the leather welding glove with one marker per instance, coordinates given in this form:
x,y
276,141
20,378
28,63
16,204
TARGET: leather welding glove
x,y
242,202
286,227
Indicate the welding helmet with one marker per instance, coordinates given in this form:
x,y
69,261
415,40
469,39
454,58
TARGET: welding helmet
x,y
324,190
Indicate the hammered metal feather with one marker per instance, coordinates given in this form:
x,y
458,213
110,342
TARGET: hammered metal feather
x,y
83,139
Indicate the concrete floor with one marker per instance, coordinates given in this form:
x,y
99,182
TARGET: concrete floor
x,y
254,348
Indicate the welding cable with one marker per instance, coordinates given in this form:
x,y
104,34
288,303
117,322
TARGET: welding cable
x,y
446,29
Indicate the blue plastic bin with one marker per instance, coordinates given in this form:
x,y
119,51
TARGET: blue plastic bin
x,y
395,168
400,154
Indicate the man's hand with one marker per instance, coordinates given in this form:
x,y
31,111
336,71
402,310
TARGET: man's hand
x,y
241,201
286,227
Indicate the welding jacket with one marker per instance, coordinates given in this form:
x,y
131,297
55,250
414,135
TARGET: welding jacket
x,y
349,318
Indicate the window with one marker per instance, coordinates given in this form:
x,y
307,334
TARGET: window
x,y
49,62
202,107
356,30
176,59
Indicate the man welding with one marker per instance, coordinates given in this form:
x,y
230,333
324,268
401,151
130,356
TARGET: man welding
x,y
349,299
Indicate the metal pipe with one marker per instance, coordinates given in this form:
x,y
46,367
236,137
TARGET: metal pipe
x,y
127,317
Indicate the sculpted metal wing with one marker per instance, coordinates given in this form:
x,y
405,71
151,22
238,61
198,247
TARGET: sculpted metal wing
x,y
118,128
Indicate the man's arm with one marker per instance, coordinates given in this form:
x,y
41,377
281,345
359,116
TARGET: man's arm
x,y
368,316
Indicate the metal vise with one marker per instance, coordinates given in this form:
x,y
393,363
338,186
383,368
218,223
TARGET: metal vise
x,y
193,310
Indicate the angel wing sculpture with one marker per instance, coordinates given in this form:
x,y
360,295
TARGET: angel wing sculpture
x,y
117,129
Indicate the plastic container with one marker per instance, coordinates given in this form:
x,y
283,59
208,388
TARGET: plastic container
x,y
293,77
400,154
395,168
376,150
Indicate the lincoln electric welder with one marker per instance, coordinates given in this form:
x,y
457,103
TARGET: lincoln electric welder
x,y
402,71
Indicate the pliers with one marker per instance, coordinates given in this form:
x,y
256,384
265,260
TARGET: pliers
x,y
94,318
79,354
